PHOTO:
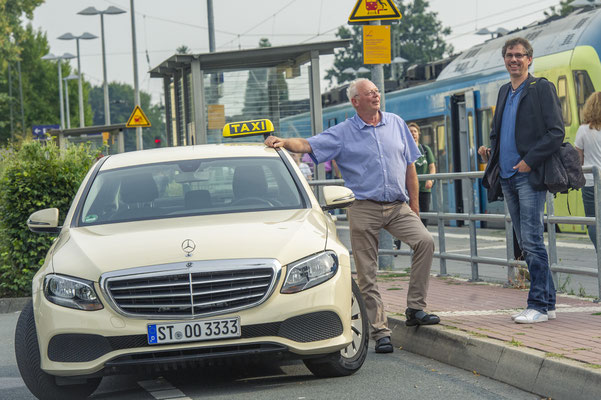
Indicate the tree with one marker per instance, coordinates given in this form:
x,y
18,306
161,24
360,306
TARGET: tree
x,y
39,80
419,37
563,9
11,26
183,49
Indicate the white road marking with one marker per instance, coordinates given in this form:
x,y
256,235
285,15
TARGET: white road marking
x,y
161,389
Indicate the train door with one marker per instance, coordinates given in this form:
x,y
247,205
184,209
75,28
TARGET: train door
x,y
463,108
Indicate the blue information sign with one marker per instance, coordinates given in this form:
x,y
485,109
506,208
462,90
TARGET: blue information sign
x,y
39,131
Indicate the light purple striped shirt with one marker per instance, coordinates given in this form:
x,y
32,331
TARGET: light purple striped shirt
x,y
372,159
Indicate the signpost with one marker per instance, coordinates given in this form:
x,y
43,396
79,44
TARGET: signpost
x,y
39,131
376,51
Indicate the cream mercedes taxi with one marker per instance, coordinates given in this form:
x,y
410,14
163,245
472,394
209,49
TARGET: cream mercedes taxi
x,y
173,256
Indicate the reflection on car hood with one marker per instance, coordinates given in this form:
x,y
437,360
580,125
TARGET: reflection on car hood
x,y
285,235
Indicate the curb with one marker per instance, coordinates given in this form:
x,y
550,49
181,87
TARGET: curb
x,y
522,367
13,304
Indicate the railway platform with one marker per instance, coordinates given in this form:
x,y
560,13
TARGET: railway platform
x,y
555,359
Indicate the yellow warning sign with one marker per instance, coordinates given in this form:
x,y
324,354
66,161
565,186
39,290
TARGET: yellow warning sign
x,y
137,119
374,10
376,44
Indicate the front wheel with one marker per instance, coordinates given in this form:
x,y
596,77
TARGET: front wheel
x,y
40,384
348,360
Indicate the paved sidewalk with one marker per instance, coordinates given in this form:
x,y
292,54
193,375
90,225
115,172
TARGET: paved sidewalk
x,y
475,317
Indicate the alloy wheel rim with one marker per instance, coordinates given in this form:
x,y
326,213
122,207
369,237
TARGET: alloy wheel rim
x,y
357,331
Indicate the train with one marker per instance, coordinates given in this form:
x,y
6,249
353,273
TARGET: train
x,y
455,110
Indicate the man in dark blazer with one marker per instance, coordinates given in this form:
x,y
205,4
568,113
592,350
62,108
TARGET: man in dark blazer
x,y
527,129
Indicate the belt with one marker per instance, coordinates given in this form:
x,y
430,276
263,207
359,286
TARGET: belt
x,y
385,202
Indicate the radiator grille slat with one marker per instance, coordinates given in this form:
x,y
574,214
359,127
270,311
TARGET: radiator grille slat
x,y
165,294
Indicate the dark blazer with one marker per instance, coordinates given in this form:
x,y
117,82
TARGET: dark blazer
x,y
539,131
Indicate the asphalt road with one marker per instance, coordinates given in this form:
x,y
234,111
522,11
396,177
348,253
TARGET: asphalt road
x,y
400,375
573,250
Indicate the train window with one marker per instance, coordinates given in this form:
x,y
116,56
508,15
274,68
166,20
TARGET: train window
x,y
332,122
562,93
584,88
441,164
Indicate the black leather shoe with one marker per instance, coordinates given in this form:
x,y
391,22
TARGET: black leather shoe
x,y
420,317
383,345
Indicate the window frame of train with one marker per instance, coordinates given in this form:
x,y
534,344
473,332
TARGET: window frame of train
x,y
584,87
563,93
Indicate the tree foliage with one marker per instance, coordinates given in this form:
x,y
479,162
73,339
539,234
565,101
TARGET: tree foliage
x,y
34,176
11,12
39,81
418,38
562,9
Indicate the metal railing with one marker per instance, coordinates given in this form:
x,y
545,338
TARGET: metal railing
x,y
471,217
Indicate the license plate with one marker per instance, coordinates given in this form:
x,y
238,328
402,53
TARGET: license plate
x,y
194,331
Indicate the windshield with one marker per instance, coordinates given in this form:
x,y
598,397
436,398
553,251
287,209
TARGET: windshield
x,y
190,187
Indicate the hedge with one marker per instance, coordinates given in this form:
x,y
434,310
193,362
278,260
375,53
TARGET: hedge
x,y
34,176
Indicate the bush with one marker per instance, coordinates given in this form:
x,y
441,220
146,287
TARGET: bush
x,y
33,177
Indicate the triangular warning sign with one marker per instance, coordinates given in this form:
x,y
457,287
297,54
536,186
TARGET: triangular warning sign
x,y
374,10
137,119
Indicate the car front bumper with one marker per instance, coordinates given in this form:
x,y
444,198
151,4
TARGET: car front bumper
x,y
311,322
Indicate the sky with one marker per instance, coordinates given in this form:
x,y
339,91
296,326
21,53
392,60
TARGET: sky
x,y
162,26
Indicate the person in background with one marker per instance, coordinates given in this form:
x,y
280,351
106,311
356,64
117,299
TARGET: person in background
x,y
424,165
376,153
330,167
588,144
302,166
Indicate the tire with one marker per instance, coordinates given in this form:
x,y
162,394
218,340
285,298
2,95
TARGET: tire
x,y
348,360
40,384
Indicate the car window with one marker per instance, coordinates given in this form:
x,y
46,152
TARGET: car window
x,y
190,187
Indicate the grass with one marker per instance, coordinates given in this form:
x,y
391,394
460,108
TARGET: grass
x,y
394,288
520,333
583,349
554,355
393,275
597,313
515,343
477,334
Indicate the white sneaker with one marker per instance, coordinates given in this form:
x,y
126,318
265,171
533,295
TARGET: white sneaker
x,y
514,316
551,314
531,316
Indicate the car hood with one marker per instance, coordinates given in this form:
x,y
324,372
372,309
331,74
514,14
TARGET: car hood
x,y
285,235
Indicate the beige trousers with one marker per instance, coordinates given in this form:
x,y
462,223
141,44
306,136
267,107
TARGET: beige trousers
x,y
366,218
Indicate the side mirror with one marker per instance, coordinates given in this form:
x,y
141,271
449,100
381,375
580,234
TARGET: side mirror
x,y
44,221
337,197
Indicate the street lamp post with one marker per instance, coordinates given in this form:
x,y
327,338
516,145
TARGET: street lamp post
x,y
66,56
109,11
84,36
67,79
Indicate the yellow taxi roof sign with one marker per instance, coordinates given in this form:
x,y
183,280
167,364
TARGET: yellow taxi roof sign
x,y
374,10
248,128
137,119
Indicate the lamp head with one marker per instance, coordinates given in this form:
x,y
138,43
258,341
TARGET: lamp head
x,y
66,36
90,11
87,36
112,10
49,56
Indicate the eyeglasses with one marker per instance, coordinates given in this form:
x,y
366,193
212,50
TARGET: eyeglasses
x,y
371,93
518,56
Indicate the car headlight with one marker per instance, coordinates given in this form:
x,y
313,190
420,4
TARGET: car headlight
x,y
310,271
71,292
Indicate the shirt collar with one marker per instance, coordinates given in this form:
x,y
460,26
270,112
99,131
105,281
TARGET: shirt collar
x,y
362,124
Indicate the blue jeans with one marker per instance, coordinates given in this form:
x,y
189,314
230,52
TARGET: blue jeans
x,y
588,198
526,208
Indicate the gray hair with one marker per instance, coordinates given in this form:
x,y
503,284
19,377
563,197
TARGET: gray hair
x,y
351,90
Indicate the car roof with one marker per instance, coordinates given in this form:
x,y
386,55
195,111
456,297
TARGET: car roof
x,y
166,154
